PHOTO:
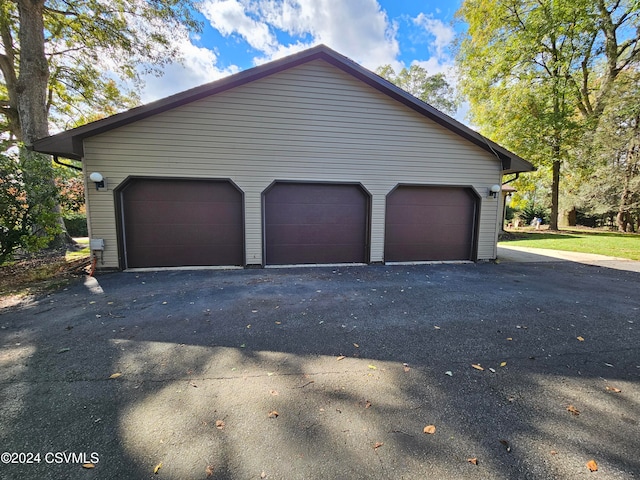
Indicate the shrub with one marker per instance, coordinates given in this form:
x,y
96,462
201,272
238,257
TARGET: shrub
x,y
28,198
76,224
530,211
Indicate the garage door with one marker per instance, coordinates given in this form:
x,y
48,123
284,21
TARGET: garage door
x,y
430,223
315,223
170,223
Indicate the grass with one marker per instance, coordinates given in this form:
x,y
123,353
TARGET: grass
x,y
82,253
623,245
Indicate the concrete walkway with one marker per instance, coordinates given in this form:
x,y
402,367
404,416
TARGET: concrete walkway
x,y
515,254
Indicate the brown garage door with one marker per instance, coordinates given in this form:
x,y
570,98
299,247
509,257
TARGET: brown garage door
x,y
430,223
315,223
170,223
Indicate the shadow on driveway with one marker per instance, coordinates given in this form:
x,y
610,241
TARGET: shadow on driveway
x,y
260,352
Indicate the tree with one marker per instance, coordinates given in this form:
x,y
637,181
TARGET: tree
x,y
432,89
64,58
612,168
538,73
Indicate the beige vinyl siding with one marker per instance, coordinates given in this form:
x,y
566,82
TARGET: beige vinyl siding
x,y
312,122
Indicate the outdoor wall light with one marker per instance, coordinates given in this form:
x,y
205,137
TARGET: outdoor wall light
x,y
494,190
98,179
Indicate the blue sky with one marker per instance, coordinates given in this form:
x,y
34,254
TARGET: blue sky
x,y
240,34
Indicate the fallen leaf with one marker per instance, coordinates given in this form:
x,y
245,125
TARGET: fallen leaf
x,y
612,389
373,367
63,350
580,339
367,404
503,364
449,372
473,461
430,429
573,410
509,339
341,357
356,345
263,475
220,424
157,468
506,445
115,375
492,370
592,466
88,465
378,445
209,470
477,366
278,323
273,414
436,327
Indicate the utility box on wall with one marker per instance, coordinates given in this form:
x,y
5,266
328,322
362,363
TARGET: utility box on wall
x,y
96,244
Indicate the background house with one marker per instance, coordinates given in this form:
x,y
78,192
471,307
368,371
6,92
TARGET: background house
x,y
310,159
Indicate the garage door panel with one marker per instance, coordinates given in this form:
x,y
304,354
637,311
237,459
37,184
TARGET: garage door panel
x,y
433,214
437,251
315,223
315,254
189,213
316,193
182,223
185,235
429,223
182,191
313,214
313,234
164,256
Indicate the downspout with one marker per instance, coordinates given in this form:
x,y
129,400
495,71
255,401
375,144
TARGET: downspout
x,y
57,160
511,180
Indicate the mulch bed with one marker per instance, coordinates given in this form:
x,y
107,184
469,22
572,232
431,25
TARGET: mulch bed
x,y
40,271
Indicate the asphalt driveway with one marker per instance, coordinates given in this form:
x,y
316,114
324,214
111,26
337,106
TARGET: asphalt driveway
x,y
526,371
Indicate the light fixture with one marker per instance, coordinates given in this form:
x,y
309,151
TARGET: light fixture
x,y
493,191
98,179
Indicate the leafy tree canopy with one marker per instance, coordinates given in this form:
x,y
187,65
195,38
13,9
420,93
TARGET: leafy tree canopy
x,y
538,73
432,89
93,48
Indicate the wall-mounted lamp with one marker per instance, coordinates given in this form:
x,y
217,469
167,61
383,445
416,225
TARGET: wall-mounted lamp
x,y
99,180
494,190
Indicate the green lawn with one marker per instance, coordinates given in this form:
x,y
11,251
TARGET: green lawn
x,y
622,245
84,252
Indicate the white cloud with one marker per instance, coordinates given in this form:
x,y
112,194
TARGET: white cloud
x,y
443,34
232,17
359,29
198,67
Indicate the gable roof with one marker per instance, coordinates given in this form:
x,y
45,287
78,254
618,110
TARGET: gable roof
x,y
69,144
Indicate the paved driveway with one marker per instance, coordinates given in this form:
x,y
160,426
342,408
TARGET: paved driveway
x,y
327,373
514,253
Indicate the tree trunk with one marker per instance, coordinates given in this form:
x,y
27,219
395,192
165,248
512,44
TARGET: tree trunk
x,y
33,79
31,89
555,194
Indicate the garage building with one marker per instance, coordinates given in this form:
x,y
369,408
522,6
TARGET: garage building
x,y
310,159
